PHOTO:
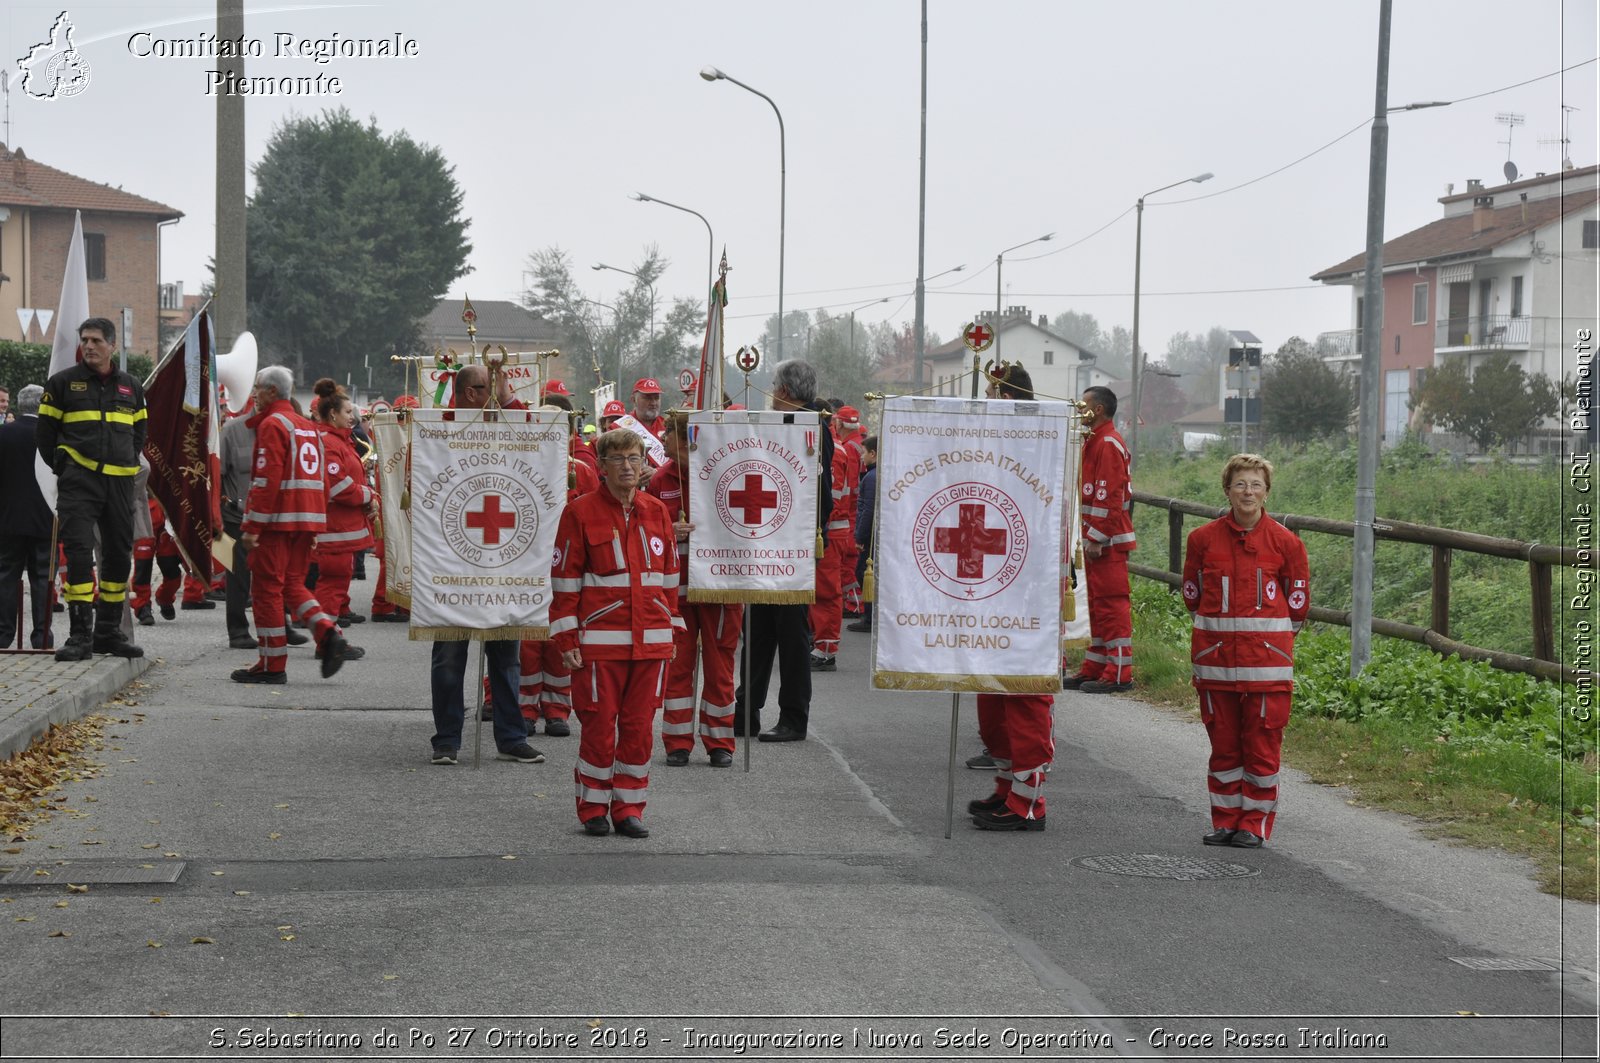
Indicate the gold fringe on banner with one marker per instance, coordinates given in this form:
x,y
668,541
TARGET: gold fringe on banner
x,y
1074,644
399,599
976,684
474,634
738,596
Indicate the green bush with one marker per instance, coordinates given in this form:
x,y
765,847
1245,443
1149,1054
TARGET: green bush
x,y
22,364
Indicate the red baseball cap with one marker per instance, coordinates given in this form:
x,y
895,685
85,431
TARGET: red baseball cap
x,y
648,385
405,402
849,414
556,387
613,409
734,406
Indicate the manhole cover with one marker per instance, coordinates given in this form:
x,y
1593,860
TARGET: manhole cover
x,y
101,874
1154,865
1503,963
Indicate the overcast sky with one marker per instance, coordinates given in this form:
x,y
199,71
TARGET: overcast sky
x,y
1043,116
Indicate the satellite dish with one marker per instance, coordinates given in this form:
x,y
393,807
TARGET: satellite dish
x,y
1510,171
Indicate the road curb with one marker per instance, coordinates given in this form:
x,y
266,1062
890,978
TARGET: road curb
x,y
36,691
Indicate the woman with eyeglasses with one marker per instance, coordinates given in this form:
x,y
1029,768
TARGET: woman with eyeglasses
x,y
1247,581
613,617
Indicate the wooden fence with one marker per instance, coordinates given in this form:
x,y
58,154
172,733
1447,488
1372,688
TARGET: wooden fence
x,y
1540,557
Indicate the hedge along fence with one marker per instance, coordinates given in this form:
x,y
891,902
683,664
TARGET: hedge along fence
x,y
1443,541
22,364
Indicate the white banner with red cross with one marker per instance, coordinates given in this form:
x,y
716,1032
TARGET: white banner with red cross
x,y
752,479
971,495
486,491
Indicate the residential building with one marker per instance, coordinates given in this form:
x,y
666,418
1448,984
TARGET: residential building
x,y
122,252
1508,269
500,323
1059,367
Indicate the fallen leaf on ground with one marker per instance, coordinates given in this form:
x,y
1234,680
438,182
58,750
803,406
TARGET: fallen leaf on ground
x,y
202,941
287,937
152,845
508,856
152,944
390,977
73,887
274,835
216,872
60,933
241,893
61,904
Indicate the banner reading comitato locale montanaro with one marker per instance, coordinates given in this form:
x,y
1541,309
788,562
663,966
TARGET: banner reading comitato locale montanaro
x,y
487,489
753,497
969,546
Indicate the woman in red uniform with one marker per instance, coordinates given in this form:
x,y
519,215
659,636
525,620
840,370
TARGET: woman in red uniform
x,y
612,616
1247,582
350,504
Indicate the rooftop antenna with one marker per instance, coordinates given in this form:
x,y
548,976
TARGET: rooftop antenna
x,y
1510,119
1565,138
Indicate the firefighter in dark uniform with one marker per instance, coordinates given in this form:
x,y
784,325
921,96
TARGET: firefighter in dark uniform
x,y
91,431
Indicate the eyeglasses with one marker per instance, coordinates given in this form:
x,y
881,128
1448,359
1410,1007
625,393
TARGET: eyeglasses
x,y
634,460
1248,485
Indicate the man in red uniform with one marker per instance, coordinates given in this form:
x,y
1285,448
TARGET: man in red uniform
x,y
827,611
286,508
849,435
1246,581
647,405
615,582
710,632
1016,729
1107,541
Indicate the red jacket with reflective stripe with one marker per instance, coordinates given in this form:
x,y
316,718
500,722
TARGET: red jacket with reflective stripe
x,y
1249,592
348,496
615,579
1107,492
288,491
844,481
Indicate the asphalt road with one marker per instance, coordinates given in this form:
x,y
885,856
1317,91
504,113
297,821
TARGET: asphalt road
x,y
812,908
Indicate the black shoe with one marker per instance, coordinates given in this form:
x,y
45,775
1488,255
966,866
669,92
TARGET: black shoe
x,y
557,728
203,603
1074,682
242,642
823,663
1220,836
256,675
632,827
76,649
168,612
346,619
332,652
397,617
522,753
864,626
351,653
444,756
108,636
1100,686
982,762
781,733
1005,819
677,758
599,826
1243,839
721,758
992,803
486,713
217,596
143,615
295,638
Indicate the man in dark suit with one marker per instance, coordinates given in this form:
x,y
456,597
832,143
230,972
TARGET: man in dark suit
x,y
25,525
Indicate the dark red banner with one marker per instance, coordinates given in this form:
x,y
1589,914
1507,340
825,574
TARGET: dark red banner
x,y
181,445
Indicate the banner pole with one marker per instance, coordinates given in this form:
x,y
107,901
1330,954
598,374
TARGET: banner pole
x,y
477,732
749,732
950,769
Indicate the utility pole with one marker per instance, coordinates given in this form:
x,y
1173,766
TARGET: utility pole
x,y
229,303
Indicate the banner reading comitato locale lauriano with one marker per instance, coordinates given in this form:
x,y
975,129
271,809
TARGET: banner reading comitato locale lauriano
x,y
971,495
487,489
752,480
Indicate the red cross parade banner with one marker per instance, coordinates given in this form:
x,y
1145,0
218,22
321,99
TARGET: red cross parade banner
x,y
752,478
182,444
487,489
392,439
972,496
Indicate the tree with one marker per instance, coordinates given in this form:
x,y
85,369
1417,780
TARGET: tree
x,y
1496,405
354,236
1303,397
1198,361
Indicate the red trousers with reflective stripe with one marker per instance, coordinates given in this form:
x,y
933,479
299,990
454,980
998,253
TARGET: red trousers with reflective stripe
x,y
1246,731
714,630
1110,654
616,703
546,687
847,575
145,559
278,579
1017,731
828,610
333,582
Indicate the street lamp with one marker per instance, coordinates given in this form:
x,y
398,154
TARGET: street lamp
x,y
711,243
999,261
617,331
863,306
952,269
711,73
1138,355
650,349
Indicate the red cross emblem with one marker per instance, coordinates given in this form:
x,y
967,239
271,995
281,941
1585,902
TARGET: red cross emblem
x,y
747,359
490,521
752,498
977,336
970,540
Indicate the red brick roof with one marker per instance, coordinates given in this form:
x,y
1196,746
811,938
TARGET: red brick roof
x,y
1454,237
26,183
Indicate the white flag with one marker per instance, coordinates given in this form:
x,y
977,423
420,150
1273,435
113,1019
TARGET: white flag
x,y
73,309
968,564
752,482
486,495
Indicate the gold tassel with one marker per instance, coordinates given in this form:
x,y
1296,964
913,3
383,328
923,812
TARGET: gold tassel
x,y
869,584
1069,605
819,544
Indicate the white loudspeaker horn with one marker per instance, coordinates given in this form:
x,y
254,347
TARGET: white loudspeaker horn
x,y
236,371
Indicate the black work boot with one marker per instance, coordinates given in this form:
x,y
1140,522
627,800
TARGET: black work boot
x,y
79,644
108,636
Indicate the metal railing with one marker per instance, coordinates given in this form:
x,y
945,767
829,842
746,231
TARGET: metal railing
x,y
1489,332
1540,557
1341,344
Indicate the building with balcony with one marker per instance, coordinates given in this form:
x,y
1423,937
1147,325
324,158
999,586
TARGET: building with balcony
x,y
1059,368
1509,269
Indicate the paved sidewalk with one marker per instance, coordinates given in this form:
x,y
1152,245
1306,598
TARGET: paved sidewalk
x,y
36,690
